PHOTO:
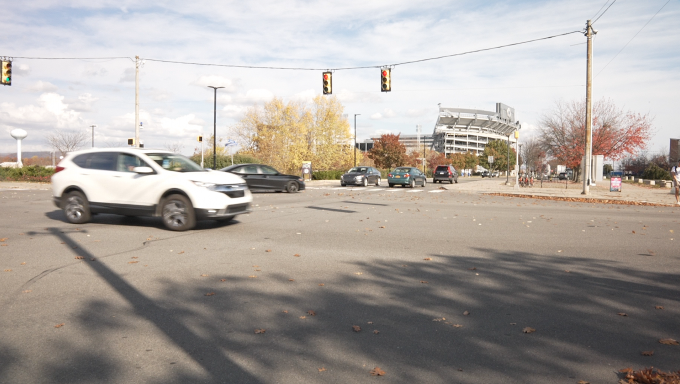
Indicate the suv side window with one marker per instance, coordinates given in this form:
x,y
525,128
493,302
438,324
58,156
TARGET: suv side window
x,y
104,161
127,162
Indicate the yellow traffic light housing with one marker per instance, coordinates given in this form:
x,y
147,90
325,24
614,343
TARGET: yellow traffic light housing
x,y
200,139
386,80
131,142
6,72
327,83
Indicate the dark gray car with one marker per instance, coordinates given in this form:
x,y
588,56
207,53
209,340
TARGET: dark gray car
x,y
264,177
361,176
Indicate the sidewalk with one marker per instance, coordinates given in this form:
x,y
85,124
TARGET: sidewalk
x,y
631,194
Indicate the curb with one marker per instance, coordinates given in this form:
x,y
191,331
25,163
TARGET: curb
x,y
582,199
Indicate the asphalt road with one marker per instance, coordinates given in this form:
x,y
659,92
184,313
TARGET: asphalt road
x,y
122,300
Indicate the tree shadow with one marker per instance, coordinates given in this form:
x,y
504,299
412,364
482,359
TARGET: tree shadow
x,y
417,308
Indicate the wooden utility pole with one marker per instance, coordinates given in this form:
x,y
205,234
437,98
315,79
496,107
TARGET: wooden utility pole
x,y
590,32
137,63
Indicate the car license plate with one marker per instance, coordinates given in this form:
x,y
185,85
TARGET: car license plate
x,y
397,177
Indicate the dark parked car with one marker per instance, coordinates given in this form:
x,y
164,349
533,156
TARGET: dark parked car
x,y
361,176
445,173
406,176
264,177
562,176
486,174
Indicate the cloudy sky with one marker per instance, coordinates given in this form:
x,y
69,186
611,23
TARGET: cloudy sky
x,y
176,105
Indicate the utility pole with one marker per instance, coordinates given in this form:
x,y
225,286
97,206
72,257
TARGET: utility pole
x,y
215,127
355,138
516,160
137,65
507,160
589,109
93,127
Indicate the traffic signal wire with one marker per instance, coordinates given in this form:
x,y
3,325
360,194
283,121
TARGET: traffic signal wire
x,y
302,68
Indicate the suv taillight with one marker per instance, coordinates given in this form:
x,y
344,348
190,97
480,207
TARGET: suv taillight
x,y
58,169
407,175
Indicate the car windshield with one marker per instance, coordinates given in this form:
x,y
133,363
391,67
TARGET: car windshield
x,y
358,170
402,170
442,169
175,162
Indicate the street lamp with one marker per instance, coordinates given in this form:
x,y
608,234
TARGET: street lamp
x,y
516,160
93,127
355,138
215,127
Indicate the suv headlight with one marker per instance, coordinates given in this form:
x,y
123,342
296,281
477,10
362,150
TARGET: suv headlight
x,y
204,184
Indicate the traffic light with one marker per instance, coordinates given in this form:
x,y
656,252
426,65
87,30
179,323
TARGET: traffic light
x,y
386,79
131,141
6,73
327,83
200,139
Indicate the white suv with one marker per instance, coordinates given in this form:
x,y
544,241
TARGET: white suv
x,y
146,182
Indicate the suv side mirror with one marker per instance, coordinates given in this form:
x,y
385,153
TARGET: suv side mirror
x,y
143,170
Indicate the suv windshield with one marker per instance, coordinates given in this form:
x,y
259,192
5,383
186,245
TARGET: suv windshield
x,y
442,169
175,162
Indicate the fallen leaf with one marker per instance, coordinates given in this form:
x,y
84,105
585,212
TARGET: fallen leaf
x,y
311,313
567,271
291,279
356,328
204,275
658,306
223,280
377,372
8,270
79,257
210,294
321,284
3,239
647,353
528,330
284,311
375,332
466,313
133,262
633,231
427,258
252,276
382,226
622,314
626,370
269,250
669,342
358,273
180,252
135,257
297,255
258,331
3,245
583,382
424,282
303,317
439,319
457,325
322,369
59,325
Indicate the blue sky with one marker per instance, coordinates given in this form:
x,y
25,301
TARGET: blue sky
x,y
176,105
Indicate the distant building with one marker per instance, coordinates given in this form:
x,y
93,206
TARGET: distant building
x,y
461,130
411,142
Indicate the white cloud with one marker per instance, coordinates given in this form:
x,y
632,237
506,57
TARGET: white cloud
x,y
305,96
416,112
21,70
256,96
228,85
42,86
388,112
376,116
83,103
51,111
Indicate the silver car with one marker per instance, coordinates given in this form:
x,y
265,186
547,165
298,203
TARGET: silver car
x,y
361,176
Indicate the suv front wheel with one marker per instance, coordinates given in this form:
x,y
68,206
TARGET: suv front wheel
x,y
178,213
76,208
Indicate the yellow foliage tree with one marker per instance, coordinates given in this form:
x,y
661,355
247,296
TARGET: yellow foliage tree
x,y
284,135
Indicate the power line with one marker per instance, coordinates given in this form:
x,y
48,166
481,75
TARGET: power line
x,y
605,11
303,68
598,11
638,32
363,67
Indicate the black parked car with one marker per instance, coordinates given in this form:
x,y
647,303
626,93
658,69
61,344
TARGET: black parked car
x,y
361,176
264,177
445,173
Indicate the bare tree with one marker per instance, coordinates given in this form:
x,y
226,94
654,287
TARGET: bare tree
x,y
533,155
67,141
174,147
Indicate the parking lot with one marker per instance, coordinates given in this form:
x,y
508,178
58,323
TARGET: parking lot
x,y
431,285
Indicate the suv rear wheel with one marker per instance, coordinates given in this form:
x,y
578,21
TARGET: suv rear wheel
x,y
76,208
178,213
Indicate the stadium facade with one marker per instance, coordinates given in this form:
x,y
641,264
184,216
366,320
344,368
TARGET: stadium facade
x,y
461,130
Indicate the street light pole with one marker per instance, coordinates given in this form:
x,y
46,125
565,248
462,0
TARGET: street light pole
x,y
93,127
355,138
215,127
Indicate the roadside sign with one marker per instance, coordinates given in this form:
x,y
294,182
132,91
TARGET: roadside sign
x,y
615,181
490,159
230,143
